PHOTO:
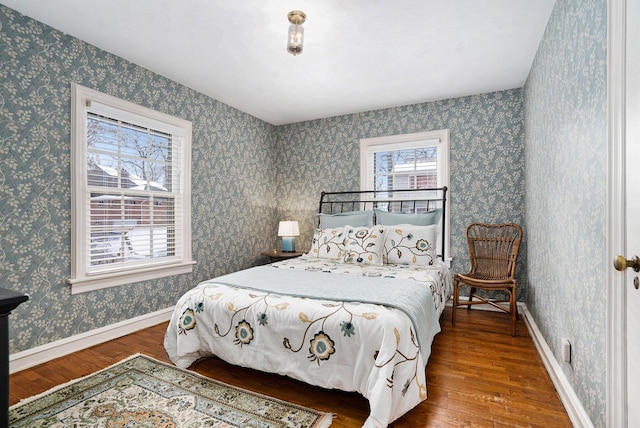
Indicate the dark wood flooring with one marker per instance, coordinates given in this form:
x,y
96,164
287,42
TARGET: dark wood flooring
x,y
478,375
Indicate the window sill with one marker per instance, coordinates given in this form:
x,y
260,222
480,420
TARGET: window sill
x,y
92,283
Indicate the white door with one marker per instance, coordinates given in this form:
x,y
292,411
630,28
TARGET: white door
x,y
632,138
623,225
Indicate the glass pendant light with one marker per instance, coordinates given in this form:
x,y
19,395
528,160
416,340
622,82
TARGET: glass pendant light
x,y
295,39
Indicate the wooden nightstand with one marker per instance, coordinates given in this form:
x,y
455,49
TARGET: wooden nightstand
x,y
277,255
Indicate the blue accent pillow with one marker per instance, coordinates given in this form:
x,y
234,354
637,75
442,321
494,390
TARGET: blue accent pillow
x,y
386,218
349,218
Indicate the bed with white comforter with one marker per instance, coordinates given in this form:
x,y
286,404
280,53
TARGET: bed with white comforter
x,y
355,327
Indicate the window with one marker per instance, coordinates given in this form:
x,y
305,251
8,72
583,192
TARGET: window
x,y
409,161
131,192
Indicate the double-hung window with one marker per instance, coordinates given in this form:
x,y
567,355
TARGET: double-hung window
x,y
131,200
409,161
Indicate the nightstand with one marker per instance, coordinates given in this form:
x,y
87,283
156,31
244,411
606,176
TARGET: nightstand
x,y
277,255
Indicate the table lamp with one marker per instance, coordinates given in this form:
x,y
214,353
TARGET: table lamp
x,y
288,230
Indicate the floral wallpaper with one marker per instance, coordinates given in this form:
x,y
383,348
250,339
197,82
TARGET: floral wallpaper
x,y
233,175
565,117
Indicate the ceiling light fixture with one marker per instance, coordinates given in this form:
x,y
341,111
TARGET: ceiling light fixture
x,y
296,32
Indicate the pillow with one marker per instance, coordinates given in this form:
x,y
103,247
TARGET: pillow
x,y
328,243
387,218
363,245
407,244
351,218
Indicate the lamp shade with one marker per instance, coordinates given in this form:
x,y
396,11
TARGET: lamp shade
x,y
288,228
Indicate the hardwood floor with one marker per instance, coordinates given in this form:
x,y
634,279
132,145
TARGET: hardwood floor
x,y
477,376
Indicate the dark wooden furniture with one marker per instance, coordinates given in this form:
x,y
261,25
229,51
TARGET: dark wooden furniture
x,y
9,300
276,255
493,253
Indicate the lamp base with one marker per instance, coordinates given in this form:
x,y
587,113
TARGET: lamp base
x,y
288,244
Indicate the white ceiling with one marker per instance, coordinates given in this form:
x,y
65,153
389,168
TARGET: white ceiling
x,y
359,55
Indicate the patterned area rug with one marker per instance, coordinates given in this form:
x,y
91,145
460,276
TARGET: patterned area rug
x,y
143,392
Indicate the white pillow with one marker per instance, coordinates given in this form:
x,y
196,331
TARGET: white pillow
x,y
410,245
363,245
328,243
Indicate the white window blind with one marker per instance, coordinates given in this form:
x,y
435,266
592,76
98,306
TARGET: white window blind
x,y
131,192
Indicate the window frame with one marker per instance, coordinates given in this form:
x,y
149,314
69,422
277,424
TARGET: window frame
x,y
438,138
83,278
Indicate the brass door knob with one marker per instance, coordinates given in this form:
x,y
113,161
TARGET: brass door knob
x,y
621,263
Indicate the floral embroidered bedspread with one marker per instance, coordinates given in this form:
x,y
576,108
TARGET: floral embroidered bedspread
x,y
352,346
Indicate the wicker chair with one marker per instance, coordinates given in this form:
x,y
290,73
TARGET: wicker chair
x,y
493,252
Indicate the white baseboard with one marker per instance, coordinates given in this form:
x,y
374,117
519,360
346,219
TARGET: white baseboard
x,y
570,400
43,353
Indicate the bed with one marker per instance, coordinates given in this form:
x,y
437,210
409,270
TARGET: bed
x,y
358,312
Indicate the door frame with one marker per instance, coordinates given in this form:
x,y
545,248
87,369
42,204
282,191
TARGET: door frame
x,y
616,330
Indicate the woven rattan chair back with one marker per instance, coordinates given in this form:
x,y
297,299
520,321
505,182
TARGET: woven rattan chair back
x,y
493,250
493,254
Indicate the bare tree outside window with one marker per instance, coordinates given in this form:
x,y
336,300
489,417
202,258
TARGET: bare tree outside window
x,y
137,153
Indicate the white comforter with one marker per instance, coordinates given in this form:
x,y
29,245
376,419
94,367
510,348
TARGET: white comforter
x,y
364,347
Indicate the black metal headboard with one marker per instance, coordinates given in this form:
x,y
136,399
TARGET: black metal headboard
x,y
405,201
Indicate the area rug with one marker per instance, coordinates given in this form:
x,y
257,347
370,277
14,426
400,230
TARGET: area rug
x,y
143,392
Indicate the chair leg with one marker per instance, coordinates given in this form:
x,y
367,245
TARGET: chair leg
x,y
514,311
455,300
472,291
